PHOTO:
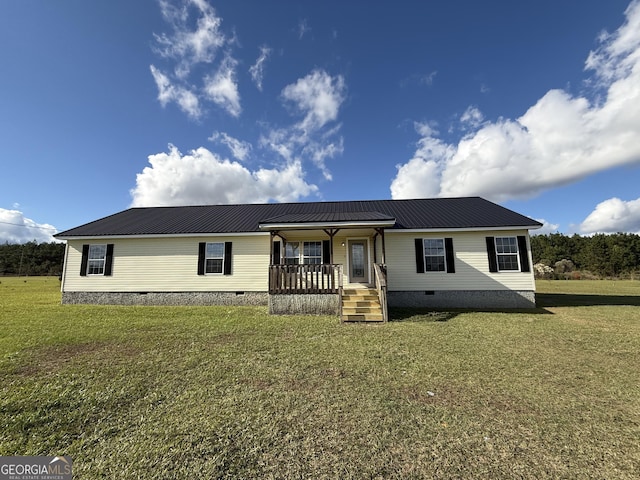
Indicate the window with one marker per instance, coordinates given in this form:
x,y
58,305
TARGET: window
x,y
96,259
507,253
434,255
214,258
292,253
312,253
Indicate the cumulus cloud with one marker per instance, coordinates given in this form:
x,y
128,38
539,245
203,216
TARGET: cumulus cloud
x,y
16,228
195,39
257,69
547,227
612,216
222,88
559,140
203,177
238,148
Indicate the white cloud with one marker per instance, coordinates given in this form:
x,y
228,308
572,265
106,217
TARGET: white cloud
x,y
420,79
239,148
167,92
559,140
222,88
190,46
257,69
16,228
303,28
318,98
202,177
612,216
547,227
195,40
317,95
472,117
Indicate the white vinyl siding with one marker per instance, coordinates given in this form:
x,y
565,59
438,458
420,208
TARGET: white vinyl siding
x,y
171,265
472,265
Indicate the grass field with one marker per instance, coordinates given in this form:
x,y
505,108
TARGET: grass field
x,y
221,392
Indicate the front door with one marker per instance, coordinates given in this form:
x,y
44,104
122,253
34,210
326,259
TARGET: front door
x,y
358,261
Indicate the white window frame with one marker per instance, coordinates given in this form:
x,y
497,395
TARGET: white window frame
x,y
294,259
301,258
444,255
208,257
306,257
96,262
504,254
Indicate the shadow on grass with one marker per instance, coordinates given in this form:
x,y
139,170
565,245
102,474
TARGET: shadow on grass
x,y
417,314
579,300
408,314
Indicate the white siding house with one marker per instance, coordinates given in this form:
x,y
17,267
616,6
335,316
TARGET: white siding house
x,y
307,257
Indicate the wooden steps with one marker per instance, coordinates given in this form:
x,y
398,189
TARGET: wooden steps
x,y
361,305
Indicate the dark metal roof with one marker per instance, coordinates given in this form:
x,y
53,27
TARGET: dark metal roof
x,y
434,213
327,217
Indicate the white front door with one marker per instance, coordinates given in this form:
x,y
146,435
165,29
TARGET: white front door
x,y
358,261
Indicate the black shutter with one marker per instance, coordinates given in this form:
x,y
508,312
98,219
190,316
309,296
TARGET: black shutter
x,y
491,254
85,260
276,253
524,256
419,255
448,251
227,258
326,252
202,248
108,261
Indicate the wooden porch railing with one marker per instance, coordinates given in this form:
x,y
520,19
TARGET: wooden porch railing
x,y
380,274
290,279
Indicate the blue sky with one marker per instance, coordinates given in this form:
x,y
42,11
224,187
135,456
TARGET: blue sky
x,y
107,105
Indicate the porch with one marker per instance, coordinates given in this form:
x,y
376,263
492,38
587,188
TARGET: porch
x,y
309,288
329,262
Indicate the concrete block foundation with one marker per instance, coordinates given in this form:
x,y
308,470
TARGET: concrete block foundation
x,y
480,299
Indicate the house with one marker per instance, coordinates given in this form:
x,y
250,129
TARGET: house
x,y
352,258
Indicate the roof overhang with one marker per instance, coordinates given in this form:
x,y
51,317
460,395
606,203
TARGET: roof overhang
x,y
322,225
323,220
159,235
464,229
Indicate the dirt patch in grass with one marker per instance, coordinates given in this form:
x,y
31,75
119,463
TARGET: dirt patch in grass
x,y
52,359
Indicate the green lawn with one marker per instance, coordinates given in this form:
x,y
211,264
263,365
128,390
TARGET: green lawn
x,y
192,392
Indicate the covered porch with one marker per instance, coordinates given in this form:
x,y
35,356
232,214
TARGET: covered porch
x,y
324,263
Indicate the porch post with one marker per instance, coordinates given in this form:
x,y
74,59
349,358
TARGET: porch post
x,y
381,232
331,232
273,234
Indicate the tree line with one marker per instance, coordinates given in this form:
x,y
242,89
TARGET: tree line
x,y
600,255
31,258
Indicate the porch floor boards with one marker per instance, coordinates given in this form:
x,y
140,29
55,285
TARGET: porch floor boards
x,y
361,305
